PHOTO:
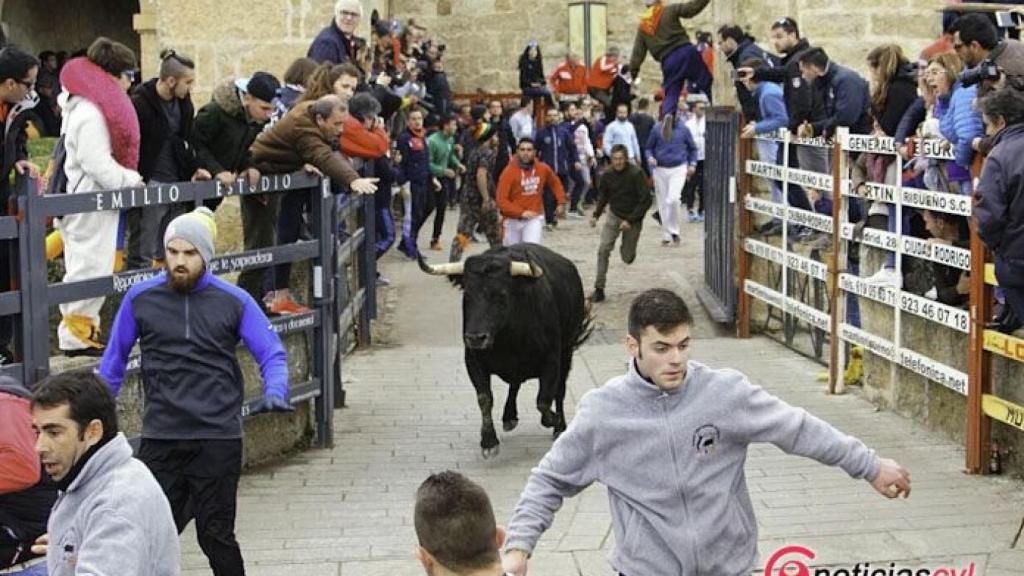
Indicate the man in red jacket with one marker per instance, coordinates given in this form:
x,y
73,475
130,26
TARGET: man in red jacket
x,y
26,492
569,78
521,195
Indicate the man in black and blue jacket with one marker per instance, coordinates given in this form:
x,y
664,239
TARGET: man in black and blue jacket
x,y
556,147
188,323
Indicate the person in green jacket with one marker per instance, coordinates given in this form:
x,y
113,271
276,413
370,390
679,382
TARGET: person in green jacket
x,y
624,190
444,166
662,34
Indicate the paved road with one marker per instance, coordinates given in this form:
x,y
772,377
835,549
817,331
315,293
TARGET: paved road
x,y
412,411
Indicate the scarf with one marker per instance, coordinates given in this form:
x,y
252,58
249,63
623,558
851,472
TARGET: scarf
x,y
81,77
650,19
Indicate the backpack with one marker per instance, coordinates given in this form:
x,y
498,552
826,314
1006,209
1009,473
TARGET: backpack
x,y
56,178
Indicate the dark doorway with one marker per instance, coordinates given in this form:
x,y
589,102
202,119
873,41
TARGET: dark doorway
x,y
69,25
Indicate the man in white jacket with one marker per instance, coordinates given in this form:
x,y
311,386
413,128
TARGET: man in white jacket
x,y
101,135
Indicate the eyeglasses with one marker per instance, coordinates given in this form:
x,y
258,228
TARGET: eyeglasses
x,y
28,84
349,15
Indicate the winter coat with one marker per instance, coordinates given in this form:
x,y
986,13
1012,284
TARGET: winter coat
x,y
747,50
803,103
415,157
26,491
297,140
14,147
223,132
155,131
531,73
98,131
900,96
330,45
847,98
556,147
962,124
999,208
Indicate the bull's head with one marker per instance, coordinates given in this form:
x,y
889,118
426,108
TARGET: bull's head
x,y
488,282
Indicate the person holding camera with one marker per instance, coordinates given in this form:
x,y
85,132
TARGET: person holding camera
x,y
739,47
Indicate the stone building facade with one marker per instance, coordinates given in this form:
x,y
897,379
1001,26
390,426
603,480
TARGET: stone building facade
x,y
484,37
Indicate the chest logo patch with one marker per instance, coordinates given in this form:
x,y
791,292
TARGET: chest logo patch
x,y
705,440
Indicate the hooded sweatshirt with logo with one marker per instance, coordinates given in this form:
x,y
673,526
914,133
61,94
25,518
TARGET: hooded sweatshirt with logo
x,y
673,463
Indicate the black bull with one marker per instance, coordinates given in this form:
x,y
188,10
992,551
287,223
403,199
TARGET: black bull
x,y
523,315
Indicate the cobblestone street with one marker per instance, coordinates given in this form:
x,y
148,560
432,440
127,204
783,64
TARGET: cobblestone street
x,y
411,411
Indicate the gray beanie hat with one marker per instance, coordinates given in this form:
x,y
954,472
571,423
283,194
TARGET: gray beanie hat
x,y
198,228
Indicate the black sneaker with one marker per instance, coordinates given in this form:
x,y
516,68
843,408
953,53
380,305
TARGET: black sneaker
x,y
598,295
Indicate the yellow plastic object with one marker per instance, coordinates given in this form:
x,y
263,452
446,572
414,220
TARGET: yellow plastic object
x,y
990,275
1005,345
1003,410
54,245
854,373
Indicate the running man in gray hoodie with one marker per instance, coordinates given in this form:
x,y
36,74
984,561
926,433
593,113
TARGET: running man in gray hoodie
x,y
669,441
111,518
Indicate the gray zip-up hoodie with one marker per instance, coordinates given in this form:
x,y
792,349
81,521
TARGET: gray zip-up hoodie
x,y
673,465
113,520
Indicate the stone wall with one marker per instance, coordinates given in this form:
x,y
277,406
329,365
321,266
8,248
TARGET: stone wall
x,y
235,38
486,37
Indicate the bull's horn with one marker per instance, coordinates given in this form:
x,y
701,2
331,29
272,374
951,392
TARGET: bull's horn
x,y
448,269
526,269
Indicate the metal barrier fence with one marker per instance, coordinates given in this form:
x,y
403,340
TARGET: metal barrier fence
x,y
830,273
335,307
718,294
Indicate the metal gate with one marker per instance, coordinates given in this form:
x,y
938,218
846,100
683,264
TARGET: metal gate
x,y
718,293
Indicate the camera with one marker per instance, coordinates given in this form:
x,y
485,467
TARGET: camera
x,y
985,70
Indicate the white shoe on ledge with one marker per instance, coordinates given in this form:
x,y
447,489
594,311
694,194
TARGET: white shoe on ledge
x,y
886,277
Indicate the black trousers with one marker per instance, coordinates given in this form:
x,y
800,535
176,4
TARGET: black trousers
x,y
694,189
200,480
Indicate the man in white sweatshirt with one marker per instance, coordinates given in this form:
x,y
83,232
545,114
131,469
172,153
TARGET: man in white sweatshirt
x,y
669,440
621,131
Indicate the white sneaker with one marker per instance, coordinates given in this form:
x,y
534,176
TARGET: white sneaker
x,y
886,277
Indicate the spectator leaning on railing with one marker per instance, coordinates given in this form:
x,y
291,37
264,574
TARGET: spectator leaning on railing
x,y
165,111
999,209
101,135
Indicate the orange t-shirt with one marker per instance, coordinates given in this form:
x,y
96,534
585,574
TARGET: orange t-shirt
x,y
523,190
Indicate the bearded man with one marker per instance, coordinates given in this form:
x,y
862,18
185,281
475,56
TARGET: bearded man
x,y
188,323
